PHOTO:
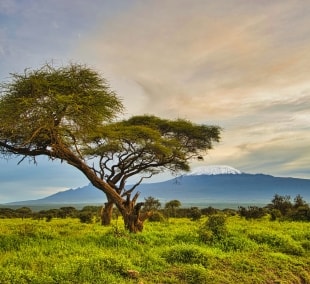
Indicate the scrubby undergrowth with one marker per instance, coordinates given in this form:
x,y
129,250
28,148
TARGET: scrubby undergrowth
x,y
67,251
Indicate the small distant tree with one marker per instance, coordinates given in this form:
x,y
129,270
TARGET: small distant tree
x,y
195,213
282,203
171,207
7,213
252,212
299,201
69,211
151,204
275,214
301,210
209,211
51,213
24,212
86,216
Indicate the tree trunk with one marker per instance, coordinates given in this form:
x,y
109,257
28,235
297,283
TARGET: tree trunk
x,y
133,218
134,223
106,213
131,213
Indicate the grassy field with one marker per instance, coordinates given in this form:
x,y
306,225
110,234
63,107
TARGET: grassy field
x,y
67,251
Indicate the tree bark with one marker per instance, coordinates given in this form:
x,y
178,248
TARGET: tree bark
x,y
134,219
106,213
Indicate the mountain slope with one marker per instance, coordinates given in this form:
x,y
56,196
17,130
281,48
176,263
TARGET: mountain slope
x,y
86,194
241,188
204,186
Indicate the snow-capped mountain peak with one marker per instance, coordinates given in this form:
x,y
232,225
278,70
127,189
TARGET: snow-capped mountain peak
x,y
214,170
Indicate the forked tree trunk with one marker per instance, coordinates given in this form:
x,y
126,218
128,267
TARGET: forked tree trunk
x,y
133,218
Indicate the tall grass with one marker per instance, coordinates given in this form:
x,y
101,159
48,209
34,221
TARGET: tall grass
x,y
67,251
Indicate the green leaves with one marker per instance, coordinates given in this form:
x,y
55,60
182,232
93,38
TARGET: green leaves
x,y
55,105
149,144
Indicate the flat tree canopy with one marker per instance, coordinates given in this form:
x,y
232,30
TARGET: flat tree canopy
x,y
69,113
147,145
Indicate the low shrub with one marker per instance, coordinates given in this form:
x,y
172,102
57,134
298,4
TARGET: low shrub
x,y
236,243
86,217
193,274
157,217
189,254
194,213
214,229
282,244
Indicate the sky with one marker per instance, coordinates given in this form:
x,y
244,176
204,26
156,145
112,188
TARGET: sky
x,y
239,64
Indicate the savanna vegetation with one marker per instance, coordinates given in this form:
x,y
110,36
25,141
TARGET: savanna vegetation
x,y
217,248
179,245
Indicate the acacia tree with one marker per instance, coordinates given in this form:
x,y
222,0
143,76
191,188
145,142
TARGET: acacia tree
x,y
146,145
67,113
171,206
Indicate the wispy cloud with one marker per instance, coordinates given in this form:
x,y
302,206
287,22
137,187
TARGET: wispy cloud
x,y
204,55
239,64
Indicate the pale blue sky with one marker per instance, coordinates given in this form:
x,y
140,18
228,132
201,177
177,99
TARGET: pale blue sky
x,y
240,64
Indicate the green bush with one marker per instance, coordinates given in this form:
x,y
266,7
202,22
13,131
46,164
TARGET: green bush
x,y
86,217
217,225
193,274
194,213
275,214
236,243
214,229
205,235
157,217
252,212
278,243
182,253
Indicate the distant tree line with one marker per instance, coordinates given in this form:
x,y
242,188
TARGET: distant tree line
x,y
86,214
280,208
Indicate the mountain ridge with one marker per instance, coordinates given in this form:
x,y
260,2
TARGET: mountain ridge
x,y
225,184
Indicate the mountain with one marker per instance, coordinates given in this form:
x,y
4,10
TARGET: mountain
x,y
87,194
214,170
205,185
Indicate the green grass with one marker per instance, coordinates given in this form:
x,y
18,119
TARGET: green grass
x,y
67,251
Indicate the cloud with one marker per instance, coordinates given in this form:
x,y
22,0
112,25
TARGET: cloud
x,y
238,64
207,57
